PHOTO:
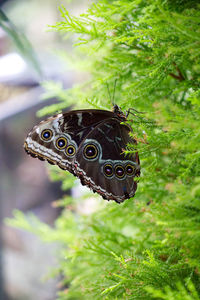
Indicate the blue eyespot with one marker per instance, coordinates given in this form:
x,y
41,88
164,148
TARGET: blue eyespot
x,y
130,170
119,171
71,150
90,151
61,143
46,134
108,170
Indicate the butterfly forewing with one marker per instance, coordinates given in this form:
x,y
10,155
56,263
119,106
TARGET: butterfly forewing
x,y
72,127
79,123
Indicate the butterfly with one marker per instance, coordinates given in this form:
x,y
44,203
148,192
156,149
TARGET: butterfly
x,y
90,144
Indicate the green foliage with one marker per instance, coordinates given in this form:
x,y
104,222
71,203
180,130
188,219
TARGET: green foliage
x,y
188,293
147,247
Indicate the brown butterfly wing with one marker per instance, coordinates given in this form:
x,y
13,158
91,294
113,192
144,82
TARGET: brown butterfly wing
x,y
72,127
101,164
65,140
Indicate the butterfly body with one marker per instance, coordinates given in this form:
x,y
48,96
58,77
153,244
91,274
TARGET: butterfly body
x,y
90,144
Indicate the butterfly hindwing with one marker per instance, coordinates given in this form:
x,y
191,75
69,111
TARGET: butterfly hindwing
x,y
101,163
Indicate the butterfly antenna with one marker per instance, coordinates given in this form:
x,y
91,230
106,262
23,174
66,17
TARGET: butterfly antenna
x,y
113,97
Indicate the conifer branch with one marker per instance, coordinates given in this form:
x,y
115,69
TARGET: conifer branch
x,y
180,76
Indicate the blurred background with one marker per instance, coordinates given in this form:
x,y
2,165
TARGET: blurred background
x,y
24,259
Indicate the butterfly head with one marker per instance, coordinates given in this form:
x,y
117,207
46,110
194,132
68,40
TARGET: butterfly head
x,y
117,110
